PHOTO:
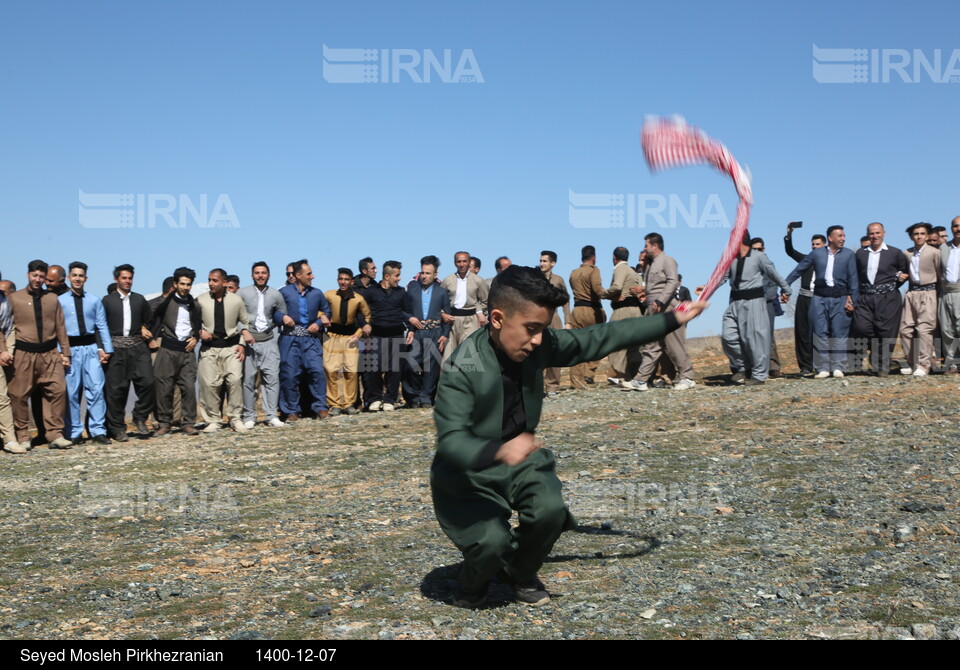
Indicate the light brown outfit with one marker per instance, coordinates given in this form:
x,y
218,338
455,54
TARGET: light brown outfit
x,y
38,370
586,287
551,376
476,303
919,317
7,433
341,354
219,364
662,281
625,362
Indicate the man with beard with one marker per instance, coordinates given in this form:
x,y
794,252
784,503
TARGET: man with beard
x,y
264,305
177,321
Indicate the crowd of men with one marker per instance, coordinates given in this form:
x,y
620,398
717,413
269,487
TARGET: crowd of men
x,y
233,354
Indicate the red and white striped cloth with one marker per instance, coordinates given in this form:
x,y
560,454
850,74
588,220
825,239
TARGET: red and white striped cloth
x,y
669,143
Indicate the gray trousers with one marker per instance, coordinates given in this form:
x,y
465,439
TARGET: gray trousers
x,y
746,337
675,347
262,357
949,312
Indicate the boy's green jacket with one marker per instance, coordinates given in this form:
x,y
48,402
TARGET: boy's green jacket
x,y
469,406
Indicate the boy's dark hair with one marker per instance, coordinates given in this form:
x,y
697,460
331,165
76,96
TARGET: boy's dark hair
x,y
656,238
233,279
126,267
820,237
364,263
588,252
552,255
518,285
259,264
167,284
78,264
183,272
38,264
833,228
621,254
344,271
390,266
476,262
431,260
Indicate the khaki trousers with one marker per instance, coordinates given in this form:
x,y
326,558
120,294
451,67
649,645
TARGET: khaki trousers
x,y
463,327
219,366
626,362
43,371
581,317
7,433
339,354
916,328
551,376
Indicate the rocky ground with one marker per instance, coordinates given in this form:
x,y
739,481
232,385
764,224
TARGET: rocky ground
x,y
802,509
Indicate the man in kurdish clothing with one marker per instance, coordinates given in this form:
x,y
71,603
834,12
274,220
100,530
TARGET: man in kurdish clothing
x,y
8,436
301,346
264,304
128,319
881,270
426,302
919,318
835,293
626,362
746,322
586,286
548,261
468,302
38,329
803,346
489,461
177,321
949,310
382,354
86,323
349,319
221,352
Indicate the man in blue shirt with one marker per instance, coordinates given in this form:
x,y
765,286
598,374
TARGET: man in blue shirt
x,y
425,303
301,343
85,319
835,293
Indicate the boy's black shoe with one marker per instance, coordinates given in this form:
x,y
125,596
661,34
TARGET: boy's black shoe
x,y
470,600
532,593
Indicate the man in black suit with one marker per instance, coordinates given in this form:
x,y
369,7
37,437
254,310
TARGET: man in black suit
x,y
424,304
128,317
803,344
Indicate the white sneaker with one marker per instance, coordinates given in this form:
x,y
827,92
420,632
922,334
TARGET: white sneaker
x,y
276,423
823,374
61,443
238,426
684,385
919,372
634,385
906,371
375,406
249,425
838,374
388,407
614,381
212,427
14,447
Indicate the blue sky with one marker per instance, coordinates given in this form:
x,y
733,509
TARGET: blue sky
x,y
229,99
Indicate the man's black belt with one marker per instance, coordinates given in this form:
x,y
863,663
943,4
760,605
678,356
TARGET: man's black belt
x,y
746,294
463,312
222,342
632,301
37,348
876,289
925,287
173,344
82,340
586,303
830,292
388,331
340,329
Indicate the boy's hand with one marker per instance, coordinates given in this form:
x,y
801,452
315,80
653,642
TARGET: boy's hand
x,y
690,311
516,450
